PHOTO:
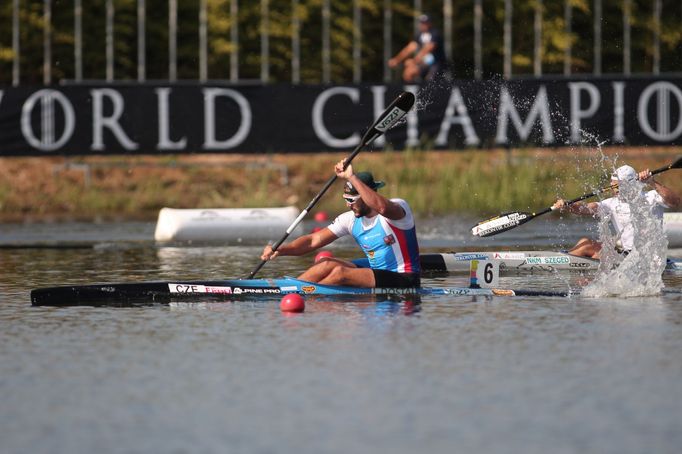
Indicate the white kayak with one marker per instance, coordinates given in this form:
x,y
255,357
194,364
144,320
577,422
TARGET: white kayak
x,y
518,261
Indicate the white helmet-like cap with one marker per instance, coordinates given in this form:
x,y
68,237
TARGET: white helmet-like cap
x,y
624,173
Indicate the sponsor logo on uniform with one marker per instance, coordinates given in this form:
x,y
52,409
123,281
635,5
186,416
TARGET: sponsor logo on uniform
x,y
370,236
389,239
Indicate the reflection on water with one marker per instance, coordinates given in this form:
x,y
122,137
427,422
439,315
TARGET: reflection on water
x,y
438,374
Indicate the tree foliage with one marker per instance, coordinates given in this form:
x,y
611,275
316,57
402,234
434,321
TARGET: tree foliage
x,y
249,24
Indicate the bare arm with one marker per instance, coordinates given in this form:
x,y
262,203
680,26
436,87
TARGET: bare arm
x,y
671,199
373,199
581,208
403,54
301,245
424,51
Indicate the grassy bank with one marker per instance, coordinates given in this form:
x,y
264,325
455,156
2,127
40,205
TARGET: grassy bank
x,y
435,182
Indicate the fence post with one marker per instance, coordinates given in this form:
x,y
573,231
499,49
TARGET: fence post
x,y
15,43
47,42
141,41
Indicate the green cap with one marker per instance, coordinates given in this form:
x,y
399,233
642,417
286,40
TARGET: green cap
x,y
365,177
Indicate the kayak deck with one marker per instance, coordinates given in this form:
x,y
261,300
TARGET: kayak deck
x,y
532,261
165,292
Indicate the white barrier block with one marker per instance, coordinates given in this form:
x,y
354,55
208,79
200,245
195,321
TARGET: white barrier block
x,y
672,224
225,224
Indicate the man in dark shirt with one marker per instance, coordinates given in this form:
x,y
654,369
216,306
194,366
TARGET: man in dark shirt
x,y
424,56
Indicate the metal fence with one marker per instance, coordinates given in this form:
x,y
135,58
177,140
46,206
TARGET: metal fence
x,y
475,35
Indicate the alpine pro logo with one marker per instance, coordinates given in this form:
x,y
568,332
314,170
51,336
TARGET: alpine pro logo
x,y
391,119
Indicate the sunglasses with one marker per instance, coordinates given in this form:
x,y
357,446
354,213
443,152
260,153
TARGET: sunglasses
x,y
351,199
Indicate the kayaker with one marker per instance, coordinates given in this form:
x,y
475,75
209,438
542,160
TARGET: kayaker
x,y
659,198
383,228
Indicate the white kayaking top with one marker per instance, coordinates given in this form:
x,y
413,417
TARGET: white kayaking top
x,y
622,220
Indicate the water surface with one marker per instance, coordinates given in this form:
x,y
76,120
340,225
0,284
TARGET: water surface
x,y
452,374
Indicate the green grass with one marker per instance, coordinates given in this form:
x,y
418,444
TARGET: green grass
x,y
477,182
434,183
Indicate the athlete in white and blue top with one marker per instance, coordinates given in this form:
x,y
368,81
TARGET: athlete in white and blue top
x,y
388,245
383,228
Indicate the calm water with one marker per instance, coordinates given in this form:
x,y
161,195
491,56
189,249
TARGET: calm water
x,y
494,375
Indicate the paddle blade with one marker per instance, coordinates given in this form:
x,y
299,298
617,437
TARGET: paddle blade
x,y
392,115
501,223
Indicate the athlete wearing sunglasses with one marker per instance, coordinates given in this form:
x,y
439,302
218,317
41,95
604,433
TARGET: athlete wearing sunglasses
x,y
351,199
383,228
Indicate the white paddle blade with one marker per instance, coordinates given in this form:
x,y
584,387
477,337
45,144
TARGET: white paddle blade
x,y
499,224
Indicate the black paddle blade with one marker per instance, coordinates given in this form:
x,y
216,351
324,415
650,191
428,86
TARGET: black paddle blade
x,y
392,115
501,223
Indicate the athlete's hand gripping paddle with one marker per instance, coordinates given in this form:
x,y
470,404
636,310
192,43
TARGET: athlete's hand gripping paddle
x,y
392,115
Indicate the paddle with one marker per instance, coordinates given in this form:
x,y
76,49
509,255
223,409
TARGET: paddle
x,y
508,221
393,113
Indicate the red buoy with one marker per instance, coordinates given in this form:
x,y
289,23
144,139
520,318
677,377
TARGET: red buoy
x,y
322,254
293,302
321,216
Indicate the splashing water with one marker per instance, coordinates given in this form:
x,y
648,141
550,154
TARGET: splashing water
x,y
640,272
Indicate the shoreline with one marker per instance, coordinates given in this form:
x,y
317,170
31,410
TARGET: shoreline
x,y
135,188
